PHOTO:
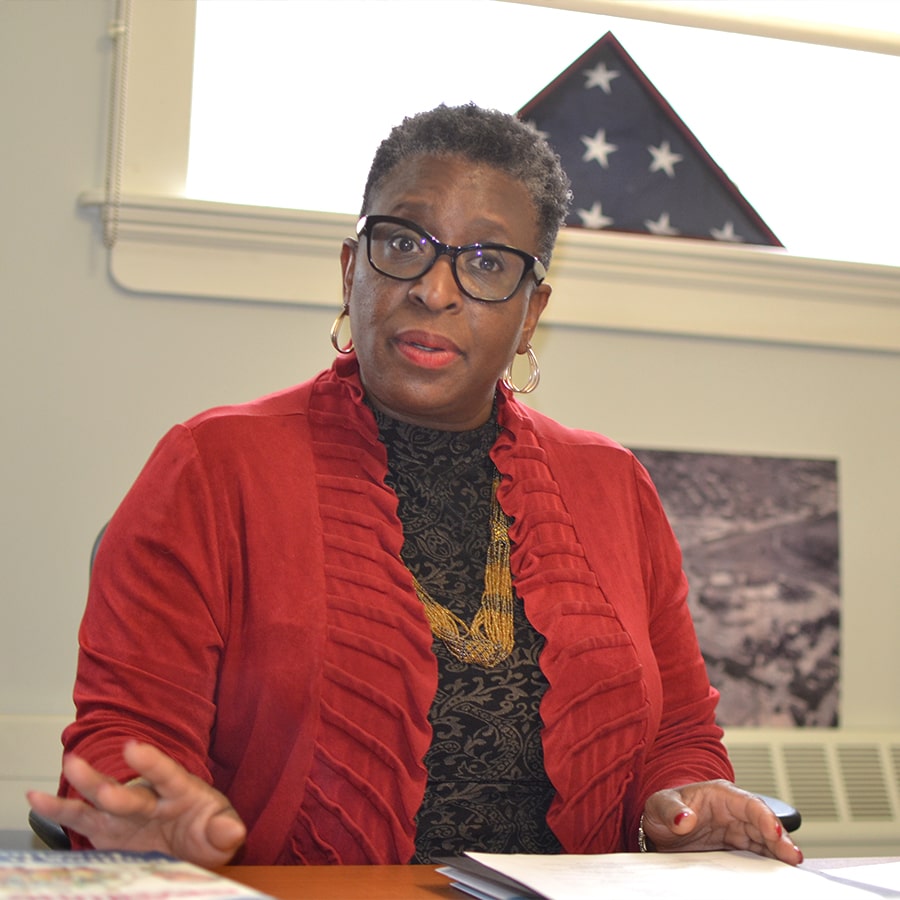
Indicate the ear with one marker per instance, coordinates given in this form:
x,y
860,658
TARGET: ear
x,y
349,249
537,303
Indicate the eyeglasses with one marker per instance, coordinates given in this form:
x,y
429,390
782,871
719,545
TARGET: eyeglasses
x,y
401,249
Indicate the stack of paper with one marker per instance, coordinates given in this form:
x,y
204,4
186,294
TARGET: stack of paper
x,y
658,876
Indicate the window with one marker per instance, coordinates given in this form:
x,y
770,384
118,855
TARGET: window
x,y
798,127
172,233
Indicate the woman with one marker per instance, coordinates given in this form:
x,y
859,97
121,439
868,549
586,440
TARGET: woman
x,y
276,665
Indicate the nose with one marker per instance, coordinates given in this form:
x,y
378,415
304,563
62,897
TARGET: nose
x,y
437,288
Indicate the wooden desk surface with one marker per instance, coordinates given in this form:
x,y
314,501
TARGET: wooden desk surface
x,y
392,882
345,882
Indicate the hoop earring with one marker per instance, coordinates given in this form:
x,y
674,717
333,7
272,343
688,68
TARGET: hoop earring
x,y
534,374
336,331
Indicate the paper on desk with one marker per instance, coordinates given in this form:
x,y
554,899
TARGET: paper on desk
x,y
101,875
663,876
485,888
885,877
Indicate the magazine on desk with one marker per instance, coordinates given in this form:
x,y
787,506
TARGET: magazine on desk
x,y
657,876
103,875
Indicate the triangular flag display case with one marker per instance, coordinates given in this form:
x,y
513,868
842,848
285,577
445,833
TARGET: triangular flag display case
x,y
634,164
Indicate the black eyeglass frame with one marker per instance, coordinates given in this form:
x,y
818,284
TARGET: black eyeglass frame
x,y
533,265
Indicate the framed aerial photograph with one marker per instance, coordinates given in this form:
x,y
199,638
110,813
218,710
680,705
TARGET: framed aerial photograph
x,y
760,540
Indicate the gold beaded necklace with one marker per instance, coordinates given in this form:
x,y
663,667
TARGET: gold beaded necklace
x,y
489,639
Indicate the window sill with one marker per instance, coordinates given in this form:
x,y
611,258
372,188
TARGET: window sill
x,y
191,248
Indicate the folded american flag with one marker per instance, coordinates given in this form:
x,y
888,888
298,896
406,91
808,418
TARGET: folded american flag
x,y
634,164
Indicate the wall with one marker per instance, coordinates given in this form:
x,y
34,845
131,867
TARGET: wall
x,y
92,375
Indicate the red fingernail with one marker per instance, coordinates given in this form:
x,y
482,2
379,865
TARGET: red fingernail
x,y
780,829
681,817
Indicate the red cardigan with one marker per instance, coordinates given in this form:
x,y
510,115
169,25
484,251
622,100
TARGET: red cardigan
x,y
249,614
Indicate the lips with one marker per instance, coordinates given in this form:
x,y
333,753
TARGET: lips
x,y
427,349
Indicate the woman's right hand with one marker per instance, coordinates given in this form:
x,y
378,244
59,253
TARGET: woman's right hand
x,y
167,809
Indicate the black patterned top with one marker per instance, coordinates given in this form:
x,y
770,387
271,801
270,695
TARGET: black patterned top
x,y
487,789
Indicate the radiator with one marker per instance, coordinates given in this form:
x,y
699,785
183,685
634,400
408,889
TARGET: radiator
x,y
845,784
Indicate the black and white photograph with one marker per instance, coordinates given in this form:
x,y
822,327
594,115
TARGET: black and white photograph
x,y
760,539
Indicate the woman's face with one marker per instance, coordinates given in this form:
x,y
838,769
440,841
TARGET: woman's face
x,y
428,354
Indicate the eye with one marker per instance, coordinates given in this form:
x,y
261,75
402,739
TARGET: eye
x,y
396,237
403,242
486,262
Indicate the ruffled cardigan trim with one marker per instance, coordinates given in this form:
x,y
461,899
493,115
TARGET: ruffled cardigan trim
x,y
593,738
360,792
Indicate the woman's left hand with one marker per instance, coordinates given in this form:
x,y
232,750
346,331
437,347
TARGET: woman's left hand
x,y
716,815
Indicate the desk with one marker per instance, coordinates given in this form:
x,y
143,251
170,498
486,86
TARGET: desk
x,y
345,882
388,882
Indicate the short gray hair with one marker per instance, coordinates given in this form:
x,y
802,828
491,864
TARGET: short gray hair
x,y
489,137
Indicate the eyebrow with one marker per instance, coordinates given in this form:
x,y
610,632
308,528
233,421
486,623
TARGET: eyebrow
x,y
414,212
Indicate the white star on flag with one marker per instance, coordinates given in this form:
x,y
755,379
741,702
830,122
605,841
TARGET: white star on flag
x,y
598,148
661,226
593,217
664,159
600,77
726,233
